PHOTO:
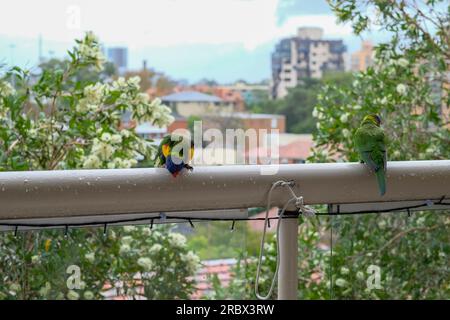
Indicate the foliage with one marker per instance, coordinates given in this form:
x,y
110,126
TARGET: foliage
x,y
215,240
312,269
37,263
298,105
68,117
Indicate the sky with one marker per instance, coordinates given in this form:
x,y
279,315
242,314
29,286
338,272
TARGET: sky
x,y
223,40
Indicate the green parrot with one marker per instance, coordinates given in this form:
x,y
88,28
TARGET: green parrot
x,y
370,142
170,153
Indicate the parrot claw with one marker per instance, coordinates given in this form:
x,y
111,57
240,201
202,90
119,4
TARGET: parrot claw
x,y
188,167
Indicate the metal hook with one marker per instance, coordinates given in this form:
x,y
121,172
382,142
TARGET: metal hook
x,y
190,222
105,230
151,224
232,225
16,228
66,231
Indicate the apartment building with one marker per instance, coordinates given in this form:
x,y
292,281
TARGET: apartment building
x,y
307,55
363,58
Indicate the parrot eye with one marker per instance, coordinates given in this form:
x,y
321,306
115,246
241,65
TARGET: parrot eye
x,y
378,119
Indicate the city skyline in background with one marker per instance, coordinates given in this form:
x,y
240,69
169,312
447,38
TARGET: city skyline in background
x,y
221,40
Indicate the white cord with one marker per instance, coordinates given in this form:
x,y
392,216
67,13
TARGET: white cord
x,y
307,211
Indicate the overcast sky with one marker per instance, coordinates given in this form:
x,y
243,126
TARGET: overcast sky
x,y
189,39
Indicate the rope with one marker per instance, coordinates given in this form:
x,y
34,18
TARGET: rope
x,y
184,219
307,211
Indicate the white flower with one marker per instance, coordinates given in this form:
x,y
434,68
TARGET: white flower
x,y
346,133
45,290
91,37
129,229
401,88
103,150
72,295
90,51
95,94
82,106
344,118
116,138
177,240
120,84
357,107
155,248
125,133
318,125
111,165
192,260
360,275
35,259
88,295
145,263
106,137
124,249
315,113
341,282
345,271
91,162
90,257
402,62
6,89
134,82
396,154
142,98
127,240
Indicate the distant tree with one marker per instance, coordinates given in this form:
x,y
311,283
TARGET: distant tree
x,y
298,105
156,83
208,82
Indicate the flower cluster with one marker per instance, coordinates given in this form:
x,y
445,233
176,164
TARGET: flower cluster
x,y
89,51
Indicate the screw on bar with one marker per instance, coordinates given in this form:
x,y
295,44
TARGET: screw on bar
x,y
151,224
105,231
409,212
15,231
66,230
190,222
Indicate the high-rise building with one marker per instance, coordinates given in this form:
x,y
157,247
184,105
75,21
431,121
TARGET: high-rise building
x,y
306,55
363,58
119,57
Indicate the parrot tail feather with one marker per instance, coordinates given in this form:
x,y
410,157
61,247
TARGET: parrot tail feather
x,y
381,179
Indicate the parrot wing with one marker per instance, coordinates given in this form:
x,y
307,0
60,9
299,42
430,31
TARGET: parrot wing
x,y
370,141
160,158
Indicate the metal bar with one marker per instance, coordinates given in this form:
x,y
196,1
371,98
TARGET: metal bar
x,y
288,269
45,194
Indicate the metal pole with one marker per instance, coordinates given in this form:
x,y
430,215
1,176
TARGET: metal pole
x,y
288,270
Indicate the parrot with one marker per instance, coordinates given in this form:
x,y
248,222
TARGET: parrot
x,y
370,142
170,153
